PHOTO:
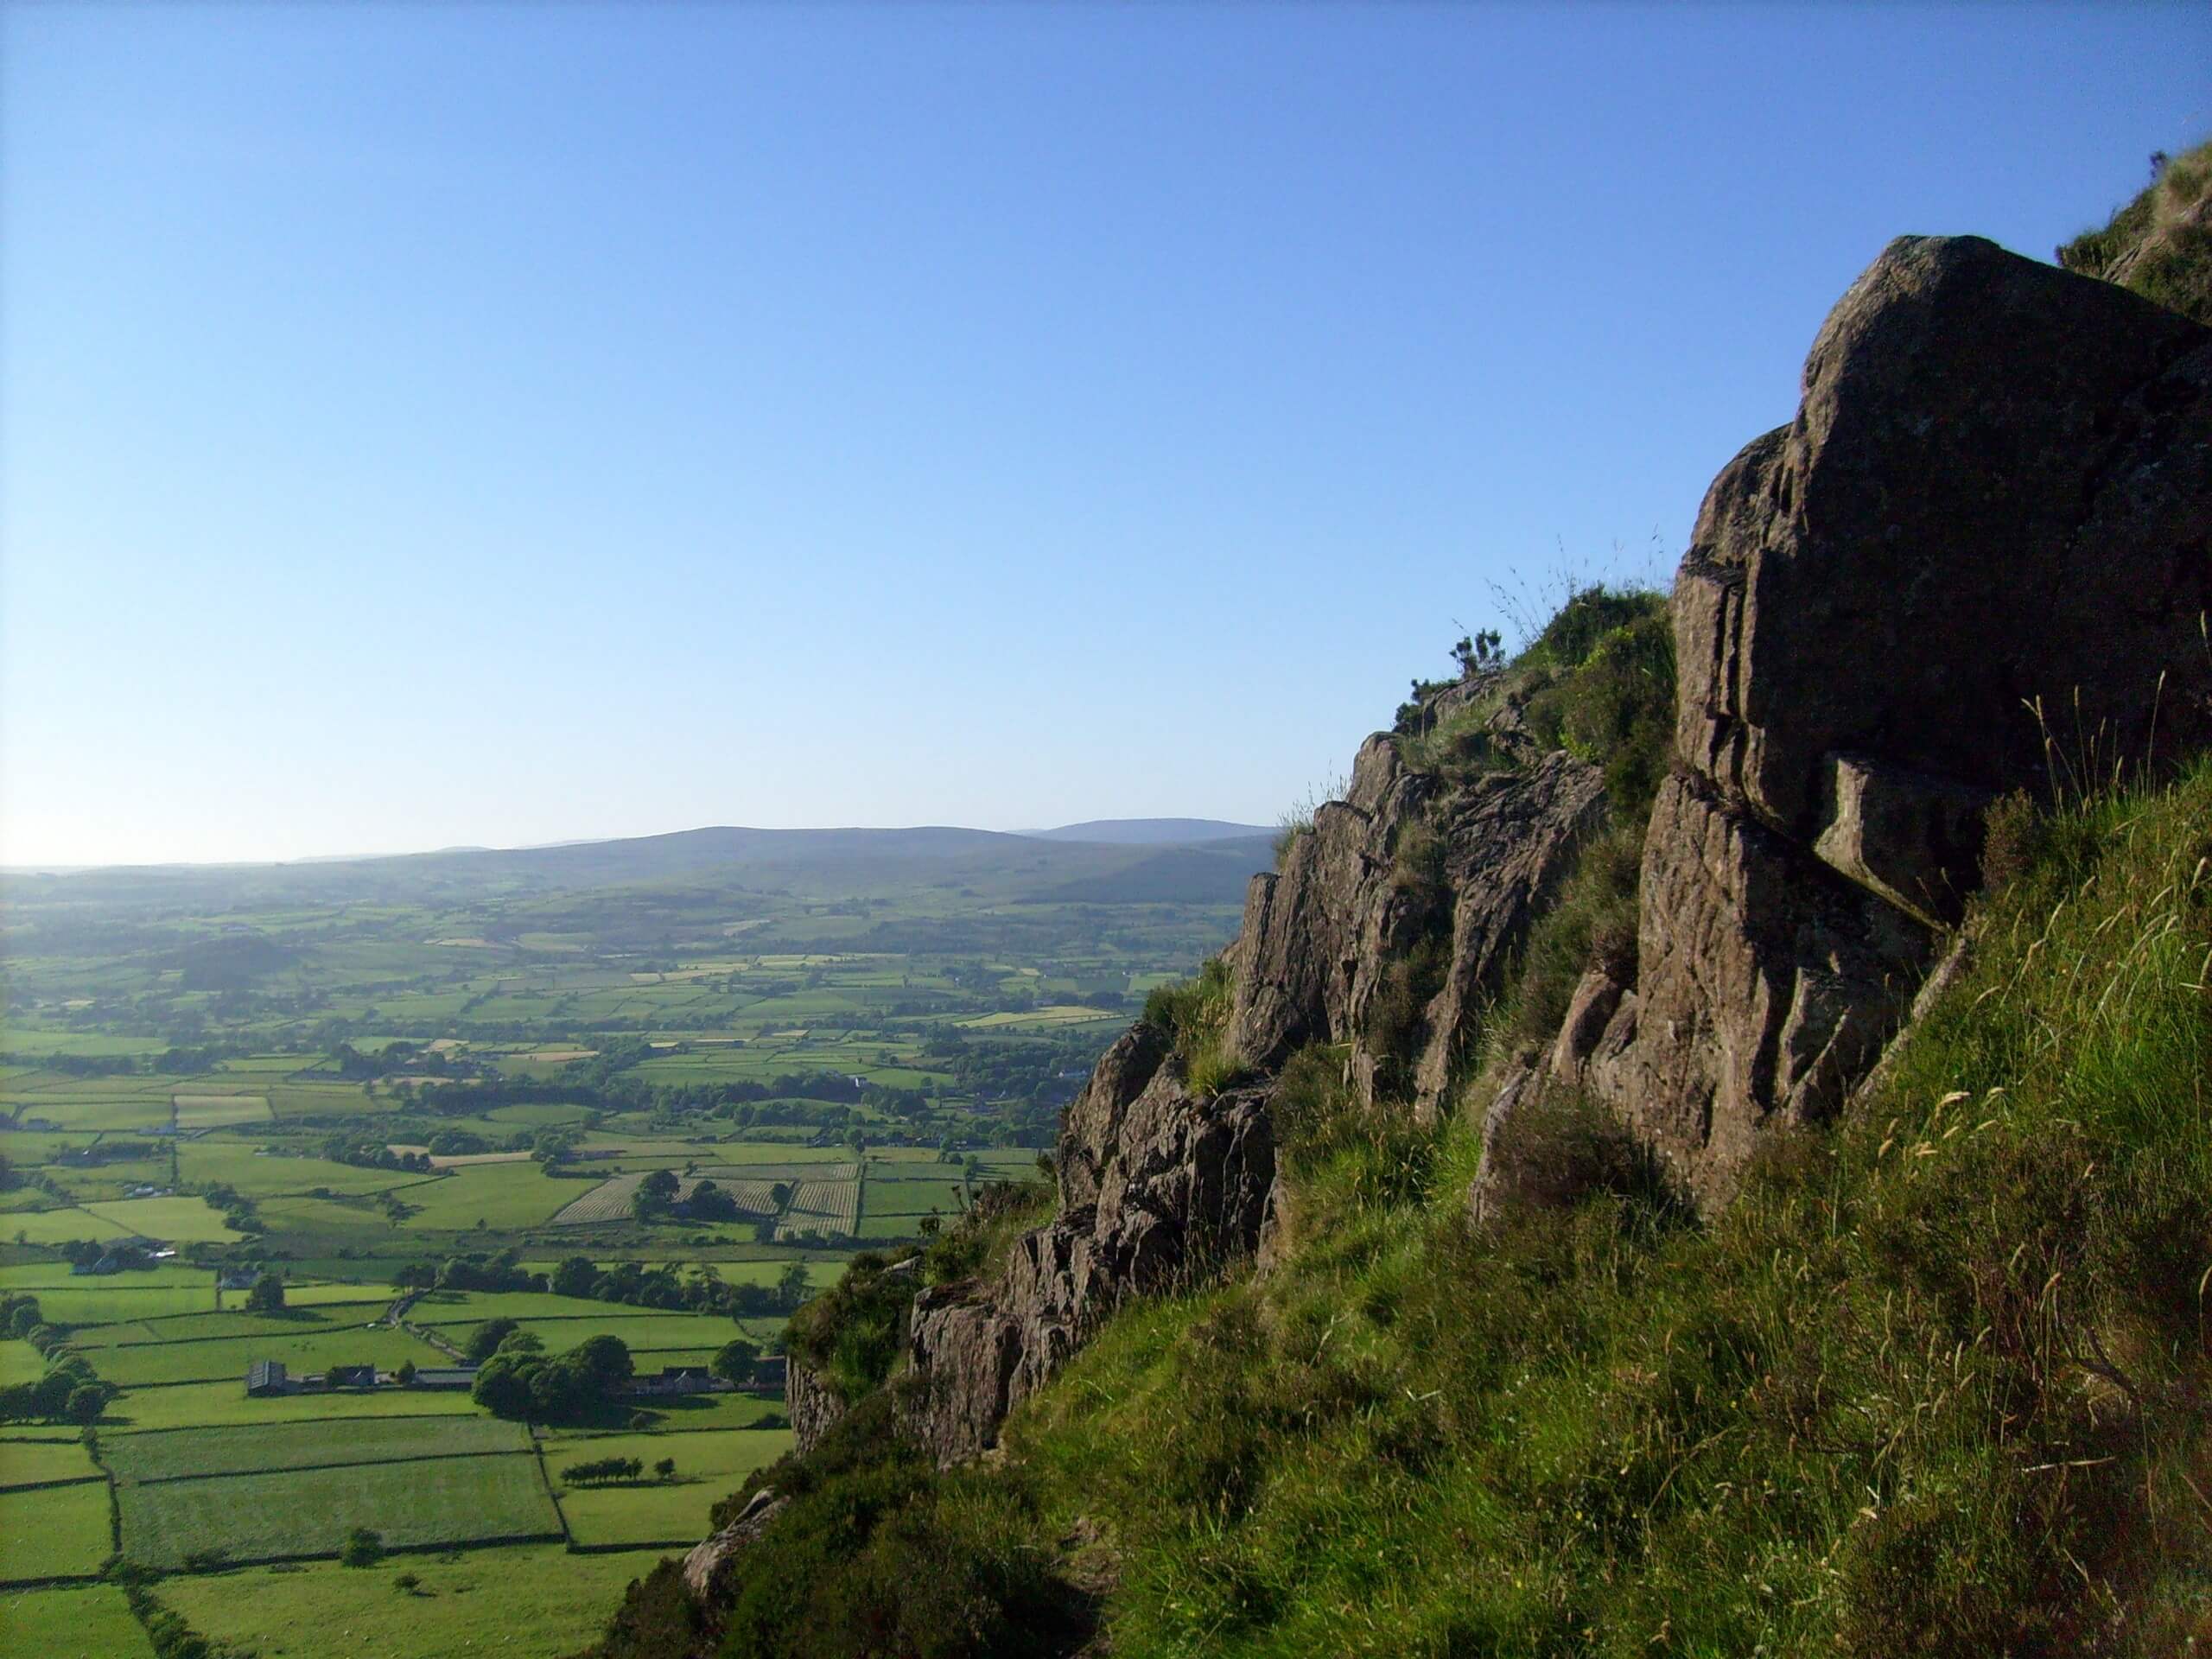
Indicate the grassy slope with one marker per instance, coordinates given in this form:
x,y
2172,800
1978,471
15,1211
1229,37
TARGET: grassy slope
x,y
1935,1384
1940,1372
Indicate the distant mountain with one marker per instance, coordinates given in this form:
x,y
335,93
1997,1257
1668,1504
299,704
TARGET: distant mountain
x,y
1151,832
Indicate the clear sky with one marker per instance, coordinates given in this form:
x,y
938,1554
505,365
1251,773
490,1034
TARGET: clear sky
x,y
422,426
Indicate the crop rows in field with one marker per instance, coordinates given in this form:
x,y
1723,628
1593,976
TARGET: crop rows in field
x,y
722,1174
822,1207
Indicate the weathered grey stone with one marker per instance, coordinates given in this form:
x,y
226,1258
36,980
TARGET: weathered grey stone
x,y
1998,491
1090,1129
1589,1014
1913,840
1517,1089
1185,1191
1510,839
704,1564
811,1404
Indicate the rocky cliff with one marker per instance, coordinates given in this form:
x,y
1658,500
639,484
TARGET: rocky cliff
x,y
1977,561
1977,564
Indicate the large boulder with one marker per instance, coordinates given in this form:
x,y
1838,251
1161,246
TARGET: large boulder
x,y
1996,498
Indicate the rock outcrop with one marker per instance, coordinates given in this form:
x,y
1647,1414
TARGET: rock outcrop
x,y
1320,937
1997,495
707,1562
1156,1187
810,1403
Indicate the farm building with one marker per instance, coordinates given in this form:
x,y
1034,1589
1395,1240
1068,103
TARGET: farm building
x,y
264,1377
237,1279
444,1376
346,1376
678,1379
767,1375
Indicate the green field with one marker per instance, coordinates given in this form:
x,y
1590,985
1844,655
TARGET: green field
x,y
146,1363
536,1601
792,1028
174,1453
176,1220
31,1463
20,1363
59,1532
193,1405
87,1622
709,1466
309,1511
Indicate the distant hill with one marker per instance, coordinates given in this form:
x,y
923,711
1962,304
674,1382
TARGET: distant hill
x,y
1151,832
1214,873
1171,860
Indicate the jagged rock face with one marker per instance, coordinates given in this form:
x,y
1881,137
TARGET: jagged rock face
x,y
811,1404
1092,1129
1510,839
1319,937
1998,488
1299,956
1182,1188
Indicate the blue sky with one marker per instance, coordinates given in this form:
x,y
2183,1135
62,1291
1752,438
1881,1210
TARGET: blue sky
x,y
496,425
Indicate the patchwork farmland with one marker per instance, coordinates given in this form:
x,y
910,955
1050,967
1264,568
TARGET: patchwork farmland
x,y
356,1094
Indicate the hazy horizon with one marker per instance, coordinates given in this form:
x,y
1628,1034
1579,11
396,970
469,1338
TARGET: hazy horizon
x,y
423,428
1046,832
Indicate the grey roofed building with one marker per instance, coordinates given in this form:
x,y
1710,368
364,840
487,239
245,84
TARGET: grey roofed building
x,y
264,1377
444,1376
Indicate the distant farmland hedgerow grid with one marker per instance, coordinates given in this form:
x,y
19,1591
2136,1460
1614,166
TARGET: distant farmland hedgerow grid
x,y
342,1076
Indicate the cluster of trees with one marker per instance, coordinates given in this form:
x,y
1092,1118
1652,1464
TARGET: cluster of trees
x,y
517,1379
266,1296
370,1152
601,1470
470,1271
238,1210
657,1200
69,1392
665,1287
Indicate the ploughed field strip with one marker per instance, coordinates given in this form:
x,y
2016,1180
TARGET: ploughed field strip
x,y
285,1514
821,1207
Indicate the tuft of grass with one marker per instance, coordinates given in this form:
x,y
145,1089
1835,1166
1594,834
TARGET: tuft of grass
x,y
2162,234
1195,1014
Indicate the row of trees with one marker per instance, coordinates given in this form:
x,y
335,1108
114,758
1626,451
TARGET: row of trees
x,y
69,1392
700,1291
601,1470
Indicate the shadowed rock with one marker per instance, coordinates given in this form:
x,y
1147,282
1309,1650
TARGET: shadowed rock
x,y
1998,492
